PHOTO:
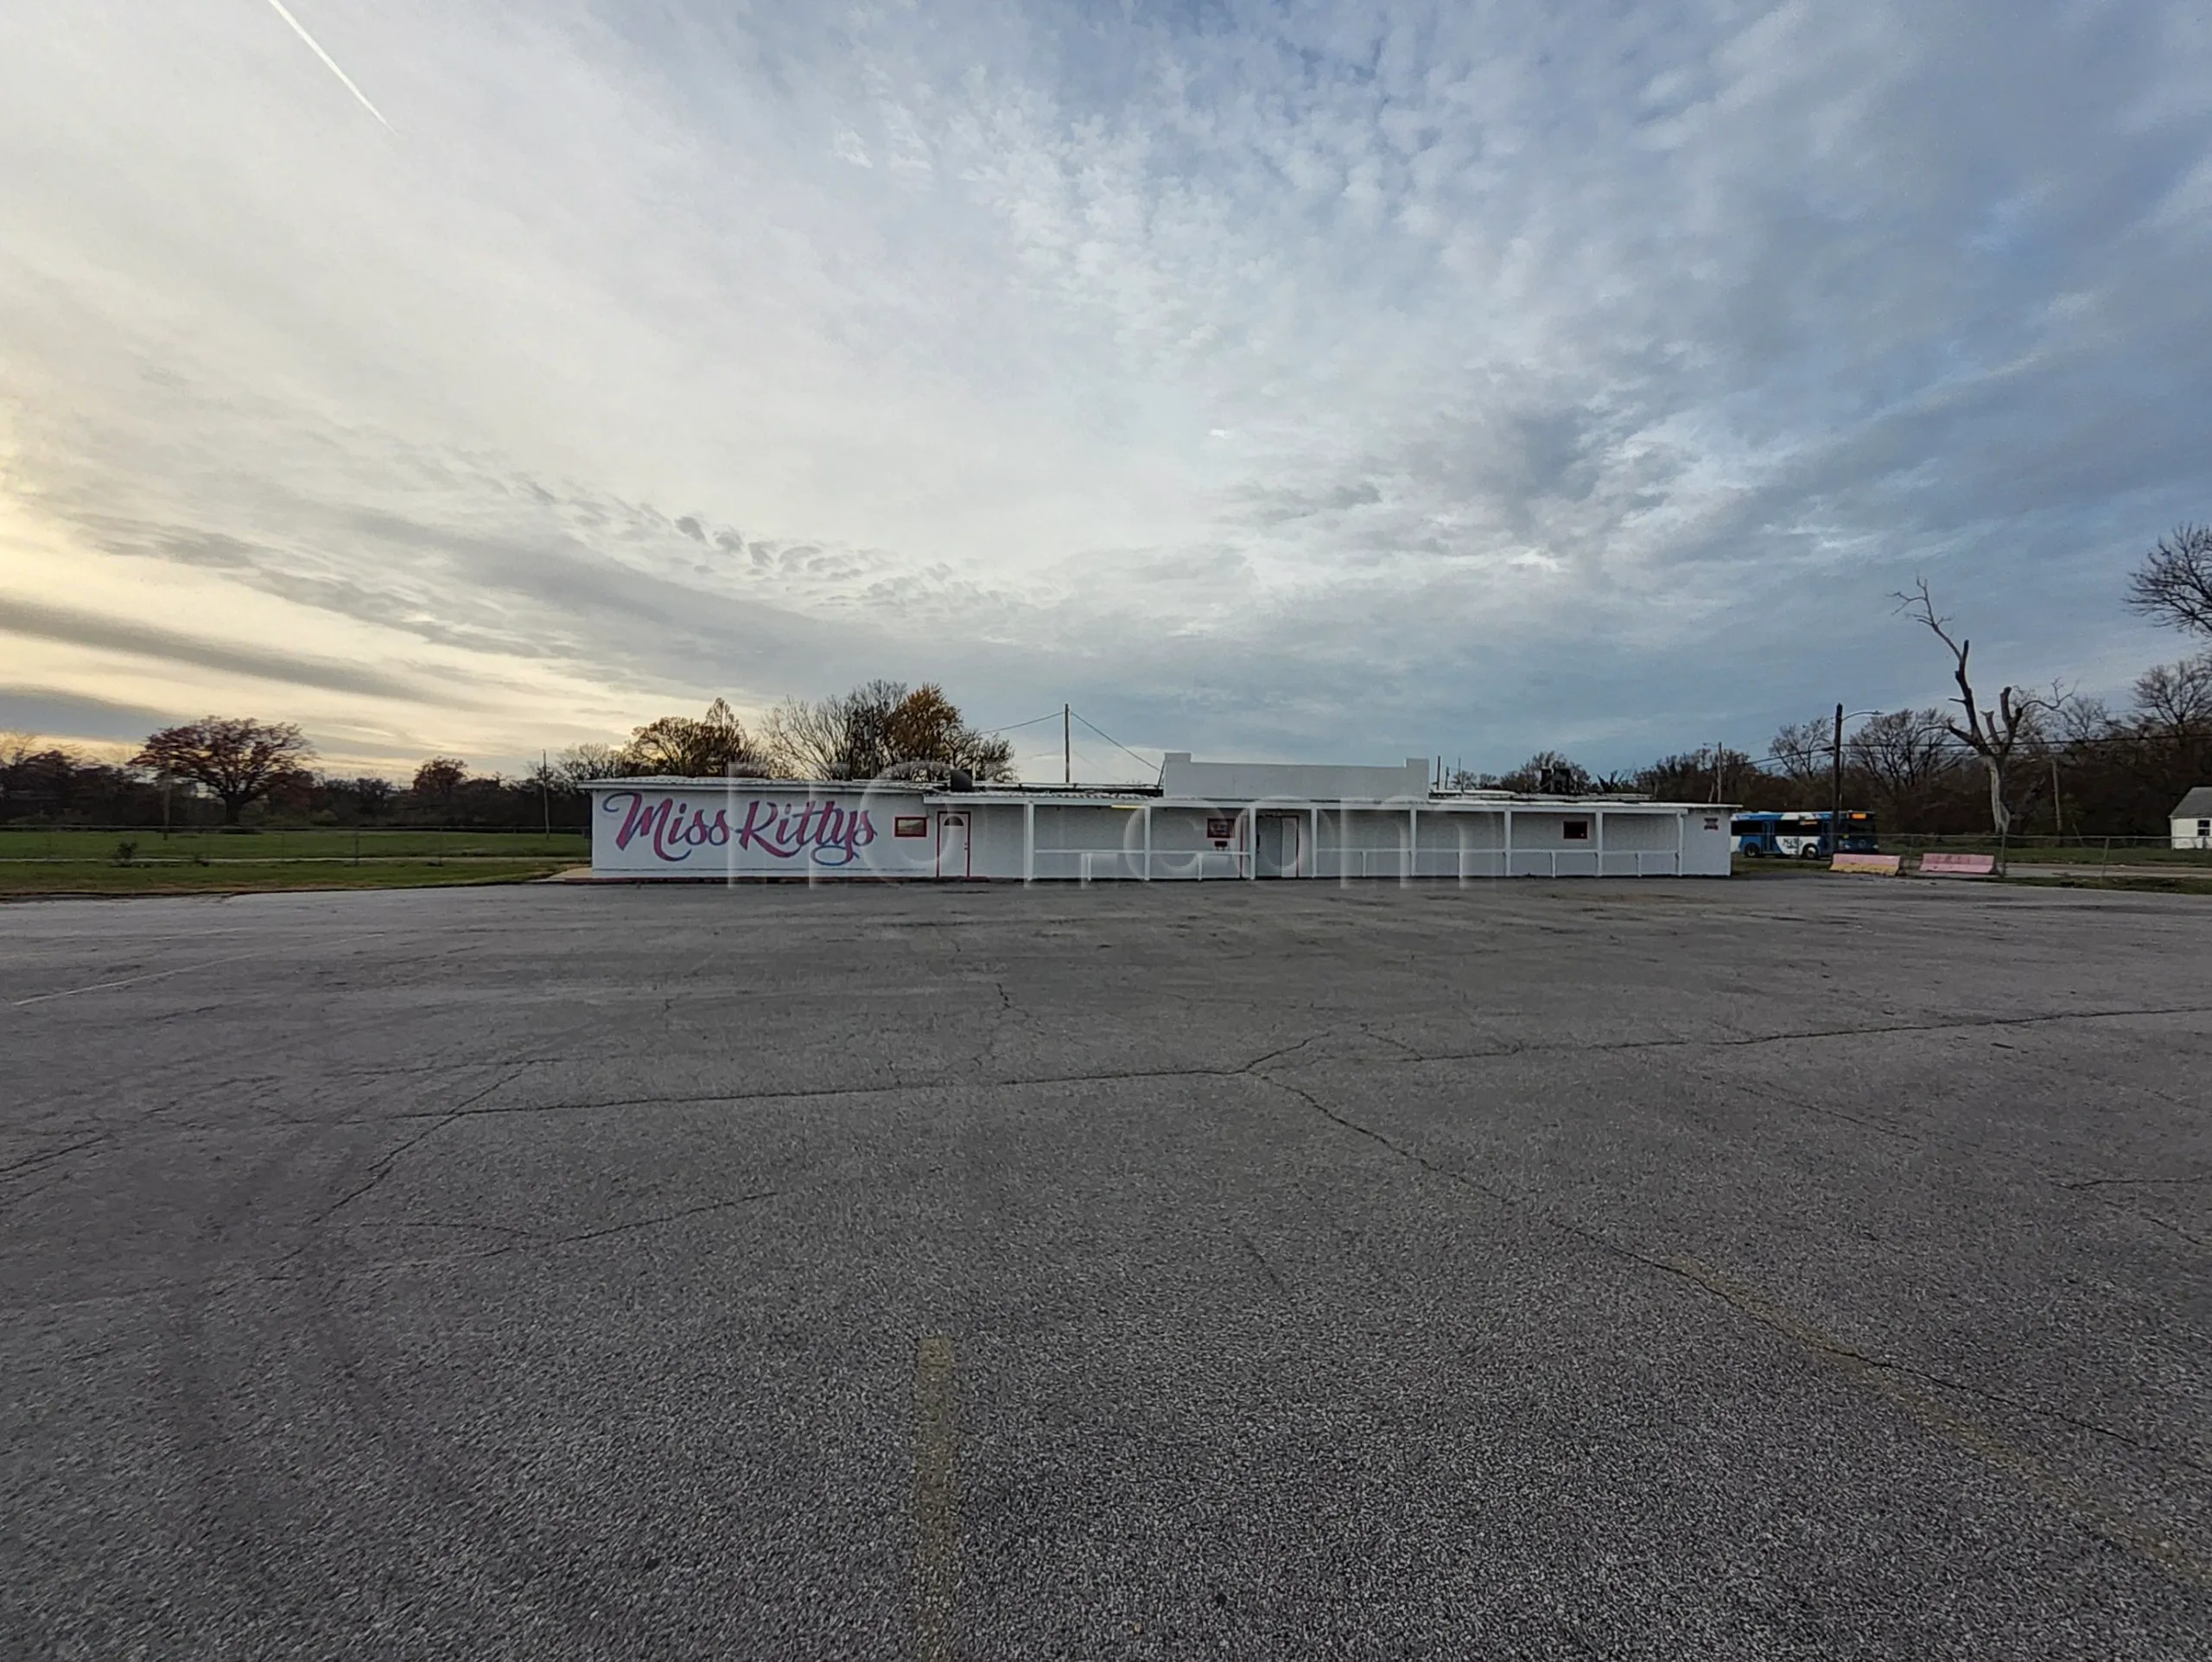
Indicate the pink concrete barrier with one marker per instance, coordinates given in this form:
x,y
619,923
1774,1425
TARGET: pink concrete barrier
x,y
1866,865
1958,865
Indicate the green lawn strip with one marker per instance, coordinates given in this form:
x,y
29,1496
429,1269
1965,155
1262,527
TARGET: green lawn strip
x,y
319,843
2094,855
90,877
2159,882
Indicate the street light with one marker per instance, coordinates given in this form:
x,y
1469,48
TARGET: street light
x,y
1835,813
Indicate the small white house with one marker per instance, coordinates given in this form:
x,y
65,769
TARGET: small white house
x,y
1203,820
2192,819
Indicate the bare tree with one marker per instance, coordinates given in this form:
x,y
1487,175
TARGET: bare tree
x,y
2175,700
1904,754
582,762
871,711
807,739
239,759
879,729
1993,735
1712,772
2081,720
1803,751
2175,583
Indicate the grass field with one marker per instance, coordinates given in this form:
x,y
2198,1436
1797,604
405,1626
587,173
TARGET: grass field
x,y
32,879
2090,854
37,862
2187,873
263,847
2169,880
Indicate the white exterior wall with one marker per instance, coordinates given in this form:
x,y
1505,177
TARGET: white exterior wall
x,y
1086,841
1182,848
1707,846
995,850
704,830
2191,832
1247,781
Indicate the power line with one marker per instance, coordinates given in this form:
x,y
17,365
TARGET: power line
x,y
1015,726
1115,742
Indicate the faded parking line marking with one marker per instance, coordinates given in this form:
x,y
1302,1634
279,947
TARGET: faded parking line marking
x,y
936,1522
133,980
1924,1405
162,975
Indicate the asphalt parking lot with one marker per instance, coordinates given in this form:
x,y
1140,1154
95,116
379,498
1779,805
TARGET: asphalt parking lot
x,y
1748,1269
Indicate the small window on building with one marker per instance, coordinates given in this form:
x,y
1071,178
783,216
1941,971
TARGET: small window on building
x,y
1220,831
1576,831
2204,828
911,825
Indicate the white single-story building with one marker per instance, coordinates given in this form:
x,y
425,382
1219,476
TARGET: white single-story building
x,y
1202,820
2192,819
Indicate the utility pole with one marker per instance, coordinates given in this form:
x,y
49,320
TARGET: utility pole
x,y
2057,813
1067,749
1835,819
545,787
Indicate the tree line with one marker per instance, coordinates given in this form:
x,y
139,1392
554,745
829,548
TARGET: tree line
x,y
239,769
2028,761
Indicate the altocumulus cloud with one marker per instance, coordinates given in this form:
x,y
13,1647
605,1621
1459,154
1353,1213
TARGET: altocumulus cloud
x,y
1303,380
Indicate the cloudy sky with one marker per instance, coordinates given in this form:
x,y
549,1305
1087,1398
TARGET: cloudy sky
x,y
1292,381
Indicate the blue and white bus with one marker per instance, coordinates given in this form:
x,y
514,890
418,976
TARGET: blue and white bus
x,y
1801,836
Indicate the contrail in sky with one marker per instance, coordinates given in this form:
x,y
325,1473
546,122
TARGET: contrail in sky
x,y
327,57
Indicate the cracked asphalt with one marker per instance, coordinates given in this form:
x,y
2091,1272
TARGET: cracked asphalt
x,y
1756,1269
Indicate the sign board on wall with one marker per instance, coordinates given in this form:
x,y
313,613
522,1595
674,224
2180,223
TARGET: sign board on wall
x,y
709,832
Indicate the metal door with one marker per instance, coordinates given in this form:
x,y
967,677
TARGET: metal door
x,y
952,845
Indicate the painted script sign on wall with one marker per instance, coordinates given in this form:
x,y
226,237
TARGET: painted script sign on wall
x,y
710,832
